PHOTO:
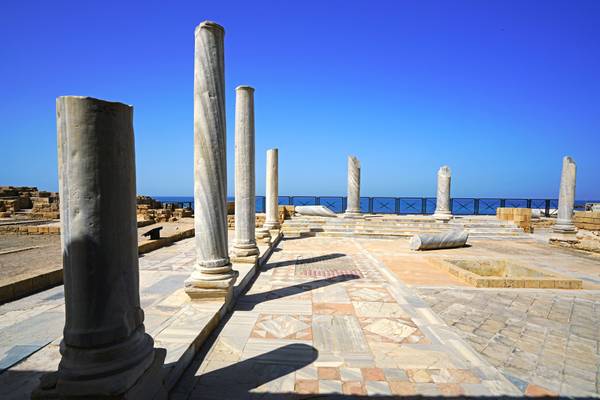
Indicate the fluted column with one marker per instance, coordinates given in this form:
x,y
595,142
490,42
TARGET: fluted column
x,y
212,276
353,203
272,192
245,248
104,349
566,199
442,207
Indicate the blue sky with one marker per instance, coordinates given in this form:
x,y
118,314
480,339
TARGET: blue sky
x,y
498,90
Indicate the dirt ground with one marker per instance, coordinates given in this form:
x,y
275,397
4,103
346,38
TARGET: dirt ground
x,y
44,256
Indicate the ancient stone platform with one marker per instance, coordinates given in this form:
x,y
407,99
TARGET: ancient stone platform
x,y
31,328
348,315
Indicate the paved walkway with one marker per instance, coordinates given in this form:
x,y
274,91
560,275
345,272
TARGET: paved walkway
x,y
325,316
544,342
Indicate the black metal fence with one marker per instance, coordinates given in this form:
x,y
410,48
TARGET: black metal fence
x,y
416,205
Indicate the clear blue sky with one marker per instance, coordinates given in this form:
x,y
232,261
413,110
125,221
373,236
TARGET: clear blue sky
x,y
498,90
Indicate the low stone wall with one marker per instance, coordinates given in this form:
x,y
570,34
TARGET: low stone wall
x,y
520,216
588,220
30,229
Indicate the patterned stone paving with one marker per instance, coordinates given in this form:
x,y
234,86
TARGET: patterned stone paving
x,y
544,342
358,331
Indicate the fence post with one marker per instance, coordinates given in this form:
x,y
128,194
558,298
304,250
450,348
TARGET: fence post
x,y
476,206
397,205
528,203
370,205
547,211
502,203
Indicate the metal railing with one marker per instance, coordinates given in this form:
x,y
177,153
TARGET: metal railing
x,y
405,205
416,205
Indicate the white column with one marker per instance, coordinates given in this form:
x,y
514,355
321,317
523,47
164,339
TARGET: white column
x,y
272,195
104,349
442,208
353,199
245,194
566,198
212,276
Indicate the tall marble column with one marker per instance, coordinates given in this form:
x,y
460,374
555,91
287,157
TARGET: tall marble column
x,y
566,199
104,349
353,203
244,248
442,207
212,276
272,192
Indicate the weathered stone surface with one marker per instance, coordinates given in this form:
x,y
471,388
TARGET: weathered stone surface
x,y
245,193
105,349
272,195
318,211
213,276
566,199
434,241
442,207
353,206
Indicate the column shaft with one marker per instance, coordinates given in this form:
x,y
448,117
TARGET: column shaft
x,y
442,208
272,195
566,199
213,276
245,193
353,203
104,348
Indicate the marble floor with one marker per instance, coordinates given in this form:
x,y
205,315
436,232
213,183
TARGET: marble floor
x,y
327,317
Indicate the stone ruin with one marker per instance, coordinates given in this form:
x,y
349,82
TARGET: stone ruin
x,y
152,210
28,202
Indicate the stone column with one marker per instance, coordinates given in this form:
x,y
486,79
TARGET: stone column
x,y
104,349
245,248
212,276
442,207
353,203
566,199
272,195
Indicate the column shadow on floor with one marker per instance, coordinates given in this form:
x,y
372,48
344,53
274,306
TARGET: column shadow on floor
x,y
308,260
236,381
247,302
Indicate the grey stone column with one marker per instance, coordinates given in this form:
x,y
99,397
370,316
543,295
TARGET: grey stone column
x,y
272,190
213,276
566,199
245,248
442,207
353,202
104,349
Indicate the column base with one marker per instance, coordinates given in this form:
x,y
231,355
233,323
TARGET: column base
x,y
568,235
245,260
148,386
210,286
263,236
443,216
352,214
245,250
272,226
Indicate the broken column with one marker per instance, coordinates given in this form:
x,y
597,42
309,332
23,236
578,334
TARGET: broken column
x,y
272,195
244,248
105,350
442,207
353,203
435,241
213,276
564,229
